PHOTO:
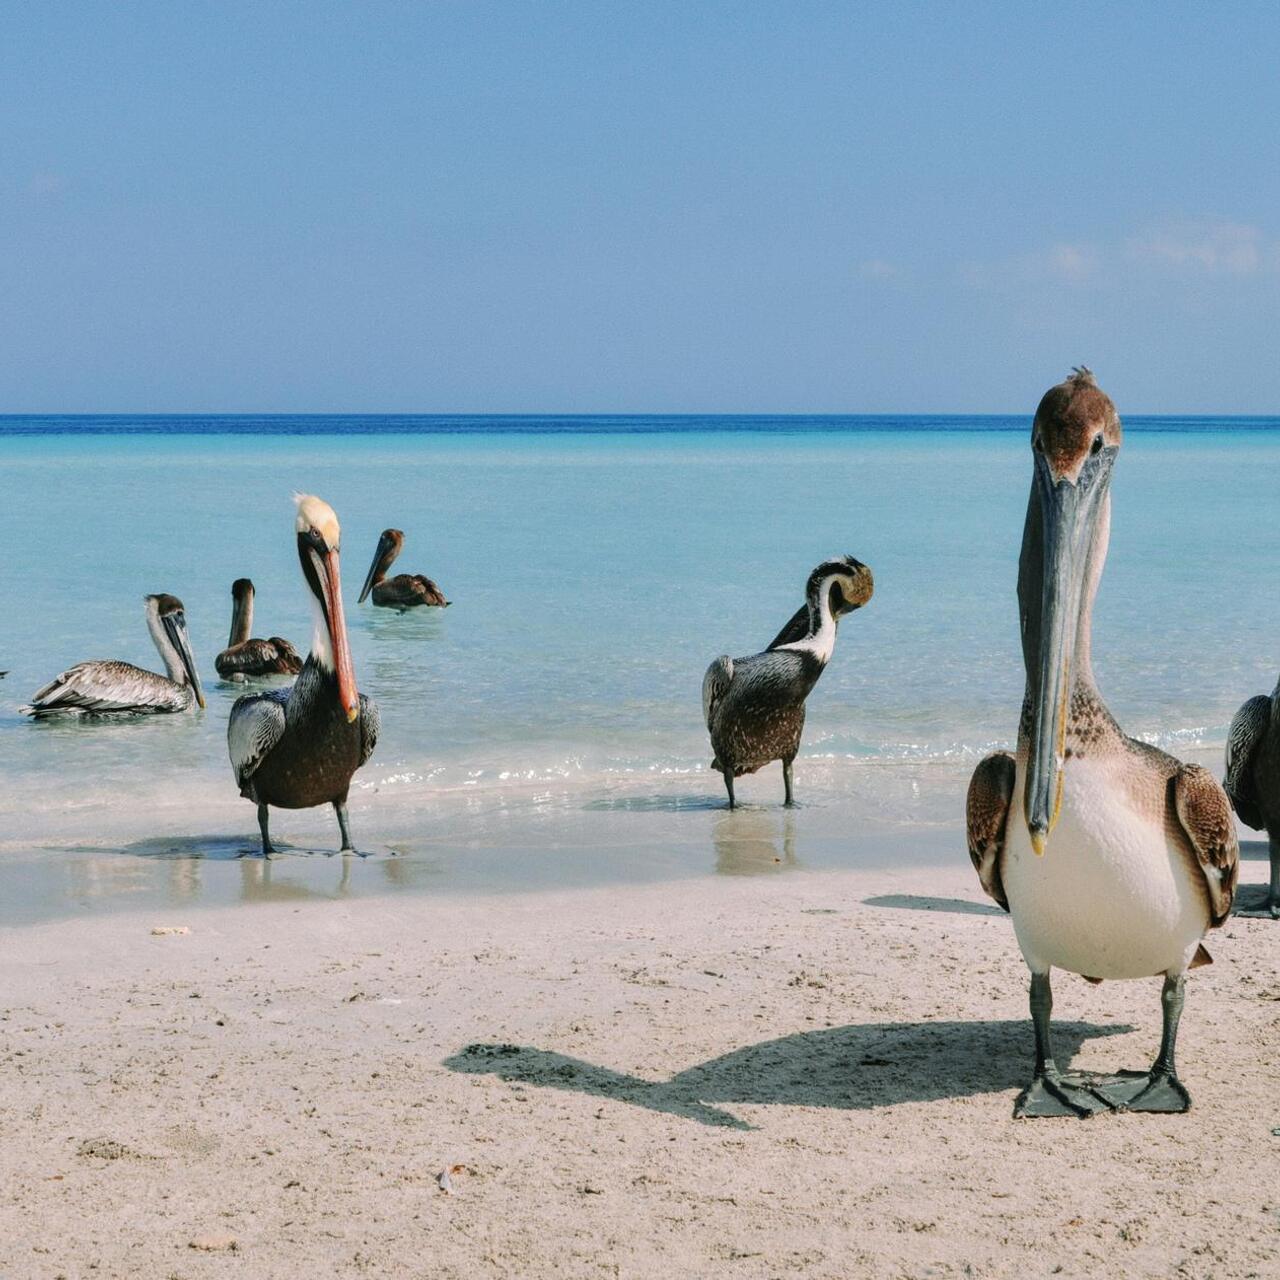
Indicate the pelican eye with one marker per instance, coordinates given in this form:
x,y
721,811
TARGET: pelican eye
x,y
1096,446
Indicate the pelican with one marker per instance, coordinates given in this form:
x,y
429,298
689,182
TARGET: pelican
x,y
298,747
108,687
754,707
1253,777
243,657
1113,858
405,590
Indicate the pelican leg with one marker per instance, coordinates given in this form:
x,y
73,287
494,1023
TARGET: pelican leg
x,y
1273,894
788,799
1159,1089
1050,1093
340,808
263,820
728,785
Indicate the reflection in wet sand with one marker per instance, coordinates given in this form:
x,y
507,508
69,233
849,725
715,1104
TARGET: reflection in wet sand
x,y
752,842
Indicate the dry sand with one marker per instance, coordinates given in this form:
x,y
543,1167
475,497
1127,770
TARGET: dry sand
x,y
810,1074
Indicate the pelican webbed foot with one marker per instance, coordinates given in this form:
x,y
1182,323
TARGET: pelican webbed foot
x,y
1155,1090
1053,1094
1158,1089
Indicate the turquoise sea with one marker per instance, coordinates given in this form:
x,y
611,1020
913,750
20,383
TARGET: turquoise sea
x,y
547,727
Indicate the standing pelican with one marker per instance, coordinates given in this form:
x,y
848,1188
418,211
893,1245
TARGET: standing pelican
x,y
298,747
405,590
1112,857
108,687
243,657
754,707
1253,777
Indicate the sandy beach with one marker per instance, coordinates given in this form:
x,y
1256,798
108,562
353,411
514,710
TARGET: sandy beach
x,y
807,1074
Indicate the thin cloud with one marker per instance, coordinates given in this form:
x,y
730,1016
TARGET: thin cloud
x,y
1208,246
1074,262
877,269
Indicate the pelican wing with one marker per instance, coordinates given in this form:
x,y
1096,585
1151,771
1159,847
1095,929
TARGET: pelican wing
x,y
797,628
1249,727
258,657
715,684
429,592
99,688
407,590
255,727
370,723
986,816
1205,815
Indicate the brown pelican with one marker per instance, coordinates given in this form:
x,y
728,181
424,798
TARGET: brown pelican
x,y
405,590
108,687
1112,857
1253,775
243,657
754,706
298,747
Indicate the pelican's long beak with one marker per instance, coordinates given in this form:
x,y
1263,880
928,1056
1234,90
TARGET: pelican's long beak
x,y
175,624
331,586
1070,519
373,570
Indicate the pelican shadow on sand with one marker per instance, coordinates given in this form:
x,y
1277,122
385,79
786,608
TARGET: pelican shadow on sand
x,y
850,1068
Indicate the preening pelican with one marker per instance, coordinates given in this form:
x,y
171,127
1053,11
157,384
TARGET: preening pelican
x,y
298,747
244,658
754,706
109,687
405,590
1253,777
1112,857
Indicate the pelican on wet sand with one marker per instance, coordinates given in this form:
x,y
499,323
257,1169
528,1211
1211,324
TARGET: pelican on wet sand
x,y
754,706
1253,777
245,658
111,688
405,590
1112,857
299,747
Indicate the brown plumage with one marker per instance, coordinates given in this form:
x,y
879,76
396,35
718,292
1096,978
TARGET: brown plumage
x,y
986,813
753,706
405,590
245,658
1252,777
1112,856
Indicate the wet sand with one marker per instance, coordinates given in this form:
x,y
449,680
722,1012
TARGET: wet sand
x,y
803,1074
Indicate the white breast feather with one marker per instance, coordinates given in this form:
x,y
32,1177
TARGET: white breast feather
x,y
1112,896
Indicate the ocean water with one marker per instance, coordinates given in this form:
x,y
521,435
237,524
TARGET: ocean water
x,y
547,727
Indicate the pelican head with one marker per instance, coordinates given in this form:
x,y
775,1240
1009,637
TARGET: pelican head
x,y
167,622
1074,439
846,582
318,538
389,545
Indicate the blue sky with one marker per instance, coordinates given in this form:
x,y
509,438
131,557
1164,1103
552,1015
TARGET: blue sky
x,y
637,207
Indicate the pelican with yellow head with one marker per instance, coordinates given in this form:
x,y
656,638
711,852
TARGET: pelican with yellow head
x,y
1112,857
299,747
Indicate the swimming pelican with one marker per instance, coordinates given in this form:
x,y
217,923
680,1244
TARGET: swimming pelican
x,y
298,747
1253,777
108,687
405,590
754,707
1112,857
243,657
